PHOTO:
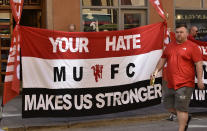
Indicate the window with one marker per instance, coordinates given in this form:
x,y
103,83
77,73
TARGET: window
x,y
100,20
99,2
131,20
126,2
4,2
96,2
32,2
133,2
31,18
106,15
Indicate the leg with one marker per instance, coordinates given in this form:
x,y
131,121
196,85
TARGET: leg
x,y
182,100
182,119
172,110
168,99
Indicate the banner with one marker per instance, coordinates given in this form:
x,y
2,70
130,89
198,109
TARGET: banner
x,y
80,73
158,7
199,97
12,77
17,7
202,45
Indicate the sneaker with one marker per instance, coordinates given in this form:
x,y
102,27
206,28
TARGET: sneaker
x,y
172,117
189,118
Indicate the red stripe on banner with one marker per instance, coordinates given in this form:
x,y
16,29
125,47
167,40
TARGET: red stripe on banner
x,y
12,77
202,45
17,6
46,44
158,7
9,73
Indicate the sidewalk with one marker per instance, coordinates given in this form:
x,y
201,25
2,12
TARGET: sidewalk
x,y
12,117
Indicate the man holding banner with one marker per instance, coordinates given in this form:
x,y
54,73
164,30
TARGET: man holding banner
x,y
181,56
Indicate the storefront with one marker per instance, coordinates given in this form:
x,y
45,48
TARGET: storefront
x,y
193,13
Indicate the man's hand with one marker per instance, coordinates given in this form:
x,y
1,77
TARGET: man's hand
x,y
199,71
201,85
158,67
152,77
154,74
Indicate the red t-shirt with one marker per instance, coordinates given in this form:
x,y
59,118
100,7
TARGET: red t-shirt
x,y
172,39
181,59
190,37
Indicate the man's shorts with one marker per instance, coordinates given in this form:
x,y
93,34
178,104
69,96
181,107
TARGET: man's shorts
x,y
178,99
164,85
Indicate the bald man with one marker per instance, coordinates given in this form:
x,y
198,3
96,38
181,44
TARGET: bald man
x,y
193,31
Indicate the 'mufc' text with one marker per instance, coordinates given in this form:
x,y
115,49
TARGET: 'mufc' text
x,y
64,44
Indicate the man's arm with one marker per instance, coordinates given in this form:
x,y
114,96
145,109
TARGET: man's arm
x,y
159,66
199,71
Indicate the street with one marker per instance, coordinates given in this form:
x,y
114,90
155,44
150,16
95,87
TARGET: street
x,y
197,124
143,119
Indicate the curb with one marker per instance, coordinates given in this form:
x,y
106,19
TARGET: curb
x,y
93,123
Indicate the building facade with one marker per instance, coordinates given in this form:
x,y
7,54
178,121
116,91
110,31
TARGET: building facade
x,y
97,15
103,15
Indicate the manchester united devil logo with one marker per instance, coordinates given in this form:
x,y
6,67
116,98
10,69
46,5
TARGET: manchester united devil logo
x,y
97,72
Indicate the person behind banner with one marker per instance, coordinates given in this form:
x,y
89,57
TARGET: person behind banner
x,y
181,56
72,28
193,32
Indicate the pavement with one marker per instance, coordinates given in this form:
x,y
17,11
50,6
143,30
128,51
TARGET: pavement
x,y
12,119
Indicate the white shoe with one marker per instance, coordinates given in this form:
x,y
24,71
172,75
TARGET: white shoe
x,y
172,117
